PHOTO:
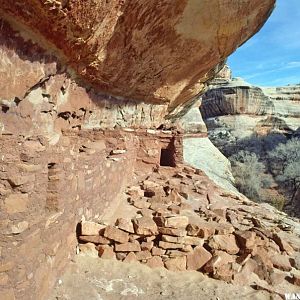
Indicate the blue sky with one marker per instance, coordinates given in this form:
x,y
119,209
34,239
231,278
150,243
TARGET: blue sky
x,y
272,56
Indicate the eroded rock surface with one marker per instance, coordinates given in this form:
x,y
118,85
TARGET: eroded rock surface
x,y
161,53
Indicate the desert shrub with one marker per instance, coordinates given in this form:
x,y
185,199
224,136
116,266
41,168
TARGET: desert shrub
x,y
249,174
285,164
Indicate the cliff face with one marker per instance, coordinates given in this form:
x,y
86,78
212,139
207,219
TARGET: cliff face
x,y
83,85
138,49
236,109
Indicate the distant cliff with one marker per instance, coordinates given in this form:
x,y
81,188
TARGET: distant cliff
x,y
234,107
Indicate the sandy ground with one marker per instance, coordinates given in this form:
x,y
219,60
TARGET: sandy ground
x,y
92,278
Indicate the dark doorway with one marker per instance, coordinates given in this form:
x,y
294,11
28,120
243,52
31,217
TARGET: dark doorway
x,y
167,157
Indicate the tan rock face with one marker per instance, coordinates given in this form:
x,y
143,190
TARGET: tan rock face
x,y
138,49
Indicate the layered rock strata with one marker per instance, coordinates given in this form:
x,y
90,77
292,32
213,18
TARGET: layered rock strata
x,y
137,49
234,110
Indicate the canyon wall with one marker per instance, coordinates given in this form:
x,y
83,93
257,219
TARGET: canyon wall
x,y
234,109
83,86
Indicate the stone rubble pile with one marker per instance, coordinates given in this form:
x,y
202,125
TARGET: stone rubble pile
x,y
184,222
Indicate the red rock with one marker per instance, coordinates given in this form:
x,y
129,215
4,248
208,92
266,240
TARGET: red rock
x,y
142,255
141,204
192,240
206,230
264,264
177,222
121,255
198,258
145,226
172,231
277,277
125,225
296,277
147,245
281,262
106,252
158,207
171,239
224,242
175,253
155,262
174,197
133,237
135,191
175,209
221,212
96,239
192,229
224,228
91,228
246,239
166,245
284,246
131,257
176,264
150,238
186,206
116,234
128,247
219,259
157,251
224,273
247,275
187,248
146,212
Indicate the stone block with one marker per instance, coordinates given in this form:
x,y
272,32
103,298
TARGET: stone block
x,y
145,226
155,262
246,239
96,239
176,264
91,228
224,242
128,247
167,245
106,252
116,234
147,245
177,222
125,225
198,258
281,262
143,255
157,251
131,257
172,231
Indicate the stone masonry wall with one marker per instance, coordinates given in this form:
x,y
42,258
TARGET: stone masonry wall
x,y
44,193
46,190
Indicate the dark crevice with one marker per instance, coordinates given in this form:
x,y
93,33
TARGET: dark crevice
x,y
17,100
4,109
64,115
